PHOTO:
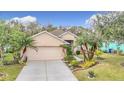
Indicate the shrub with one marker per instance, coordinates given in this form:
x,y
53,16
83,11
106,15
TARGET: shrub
x,y
105,51
8,59
88,64
68,58
3,76
98,53
78,52
1,63
115,51
91,74
22,62
68,49
120,52
74,63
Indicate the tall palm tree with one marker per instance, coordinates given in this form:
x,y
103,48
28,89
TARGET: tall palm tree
x,y
88,43
26,42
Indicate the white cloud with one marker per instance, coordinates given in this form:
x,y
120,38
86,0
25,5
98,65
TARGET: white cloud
x,y
24,20
92,19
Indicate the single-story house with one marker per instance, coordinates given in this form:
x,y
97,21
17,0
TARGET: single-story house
x,y
49,46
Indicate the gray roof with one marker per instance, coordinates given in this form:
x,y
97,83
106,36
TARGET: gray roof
x,y
57,32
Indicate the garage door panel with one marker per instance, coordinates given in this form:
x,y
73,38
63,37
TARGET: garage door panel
x,y
45,53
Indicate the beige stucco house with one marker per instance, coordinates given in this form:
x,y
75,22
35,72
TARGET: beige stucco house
x,y
49,45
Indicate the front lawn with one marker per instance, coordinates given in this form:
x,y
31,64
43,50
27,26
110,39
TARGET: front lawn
x,y
108,68
11,71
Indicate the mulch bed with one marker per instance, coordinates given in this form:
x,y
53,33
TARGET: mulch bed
x,y
80,68
77,68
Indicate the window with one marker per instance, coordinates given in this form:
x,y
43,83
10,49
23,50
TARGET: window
x,y
69,41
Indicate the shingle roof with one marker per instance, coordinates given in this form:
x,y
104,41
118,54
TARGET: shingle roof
x,y
58,32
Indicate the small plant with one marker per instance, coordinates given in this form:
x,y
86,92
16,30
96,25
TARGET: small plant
x,y
98,53
115,51
91,74
105,51
87,64
1,63
120,52
22,62
68,58
69,53
3,76
8,59
77,52
74,63
68,49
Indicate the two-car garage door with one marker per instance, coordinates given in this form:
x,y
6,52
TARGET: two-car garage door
x,y
45,53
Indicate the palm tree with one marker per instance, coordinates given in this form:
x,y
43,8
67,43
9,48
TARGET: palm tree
x,y
88,42
26,42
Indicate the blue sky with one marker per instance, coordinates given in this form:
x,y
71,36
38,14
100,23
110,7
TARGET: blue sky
x,y
64,18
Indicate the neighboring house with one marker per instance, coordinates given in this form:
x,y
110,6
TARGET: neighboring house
x,y
65,35
49,45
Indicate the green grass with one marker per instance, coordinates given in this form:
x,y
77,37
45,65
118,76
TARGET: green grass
x,y
108,69
12,71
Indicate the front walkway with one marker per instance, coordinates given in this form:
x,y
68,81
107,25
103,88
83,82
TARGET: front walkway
x,y
46,71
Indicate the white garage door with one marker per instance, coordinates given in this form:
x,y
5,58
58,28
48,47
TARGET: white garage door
x,y
45,53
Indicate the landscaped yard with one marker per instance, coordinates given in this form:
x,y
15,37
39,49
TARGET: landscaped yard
x,y
108,69
11,71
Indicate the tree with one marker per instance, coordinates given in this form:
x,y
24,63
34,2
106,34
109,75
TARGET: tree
x,y
89,43
12,40
101,23
110,26
33,28
26,42
15,38
118,29
49,28
19,41
3,38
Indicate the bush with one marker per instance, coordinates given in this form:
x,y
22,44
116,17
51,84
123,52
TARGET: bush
x,y
120,52
78,52
98,53
22,62
105,51
115,51
68,49
74,63
88,64
8,59
68,58
1,63
91,74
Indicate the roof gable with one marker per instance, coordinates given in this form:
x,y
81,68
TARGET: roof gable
x,y
47,39
68,32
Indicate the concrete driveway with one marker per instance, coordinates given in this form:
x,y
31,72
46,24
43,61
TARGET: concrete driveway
x,y
46,71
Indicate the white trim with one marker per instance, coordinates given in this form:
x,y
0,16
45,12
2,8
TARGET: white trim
x,y
50,35
69,33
